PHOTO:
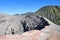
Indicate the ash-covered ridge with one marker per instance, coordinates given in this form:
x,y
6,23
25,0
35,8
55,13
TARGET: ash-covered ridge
x,y
17,24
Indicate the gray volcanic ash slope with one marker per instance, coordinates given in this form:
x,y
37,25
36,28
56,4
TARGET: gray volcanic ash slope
x,y
27,26
17,24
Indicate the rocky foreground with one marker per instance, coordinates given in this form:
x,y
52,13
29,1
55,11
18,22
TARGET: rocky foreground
x,y
27,27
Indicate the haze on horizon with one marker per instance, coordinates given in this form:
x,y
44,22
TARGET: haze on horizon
x,y
22,6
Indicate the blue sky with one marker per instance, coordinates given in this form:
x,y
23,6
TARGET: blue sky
x,y
22,6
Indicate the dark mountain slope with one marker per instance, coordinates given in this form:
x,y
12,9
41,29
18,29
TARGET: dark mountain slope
x,y
50,12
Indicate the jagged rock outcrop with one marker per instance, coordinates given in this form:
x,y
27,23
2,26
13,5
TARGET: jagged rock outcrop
x,y
17,24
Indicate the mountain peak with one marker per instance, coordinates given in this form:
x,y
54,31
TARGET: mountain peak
x,y
50,12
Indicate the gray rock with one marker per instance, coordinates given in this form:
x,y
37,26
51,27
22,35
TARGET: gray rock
x,y
17,24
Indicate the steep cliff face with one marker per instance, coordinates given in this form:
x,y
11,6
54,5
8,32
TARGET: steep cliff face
x,y
17,24
50,12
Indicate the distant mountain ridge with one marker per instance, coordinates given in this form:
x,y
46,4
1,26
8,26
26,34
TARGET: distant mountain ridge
x,y
50,12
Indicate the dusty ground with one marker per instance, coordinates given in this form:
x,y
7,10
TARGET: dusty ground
x,y
47,33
